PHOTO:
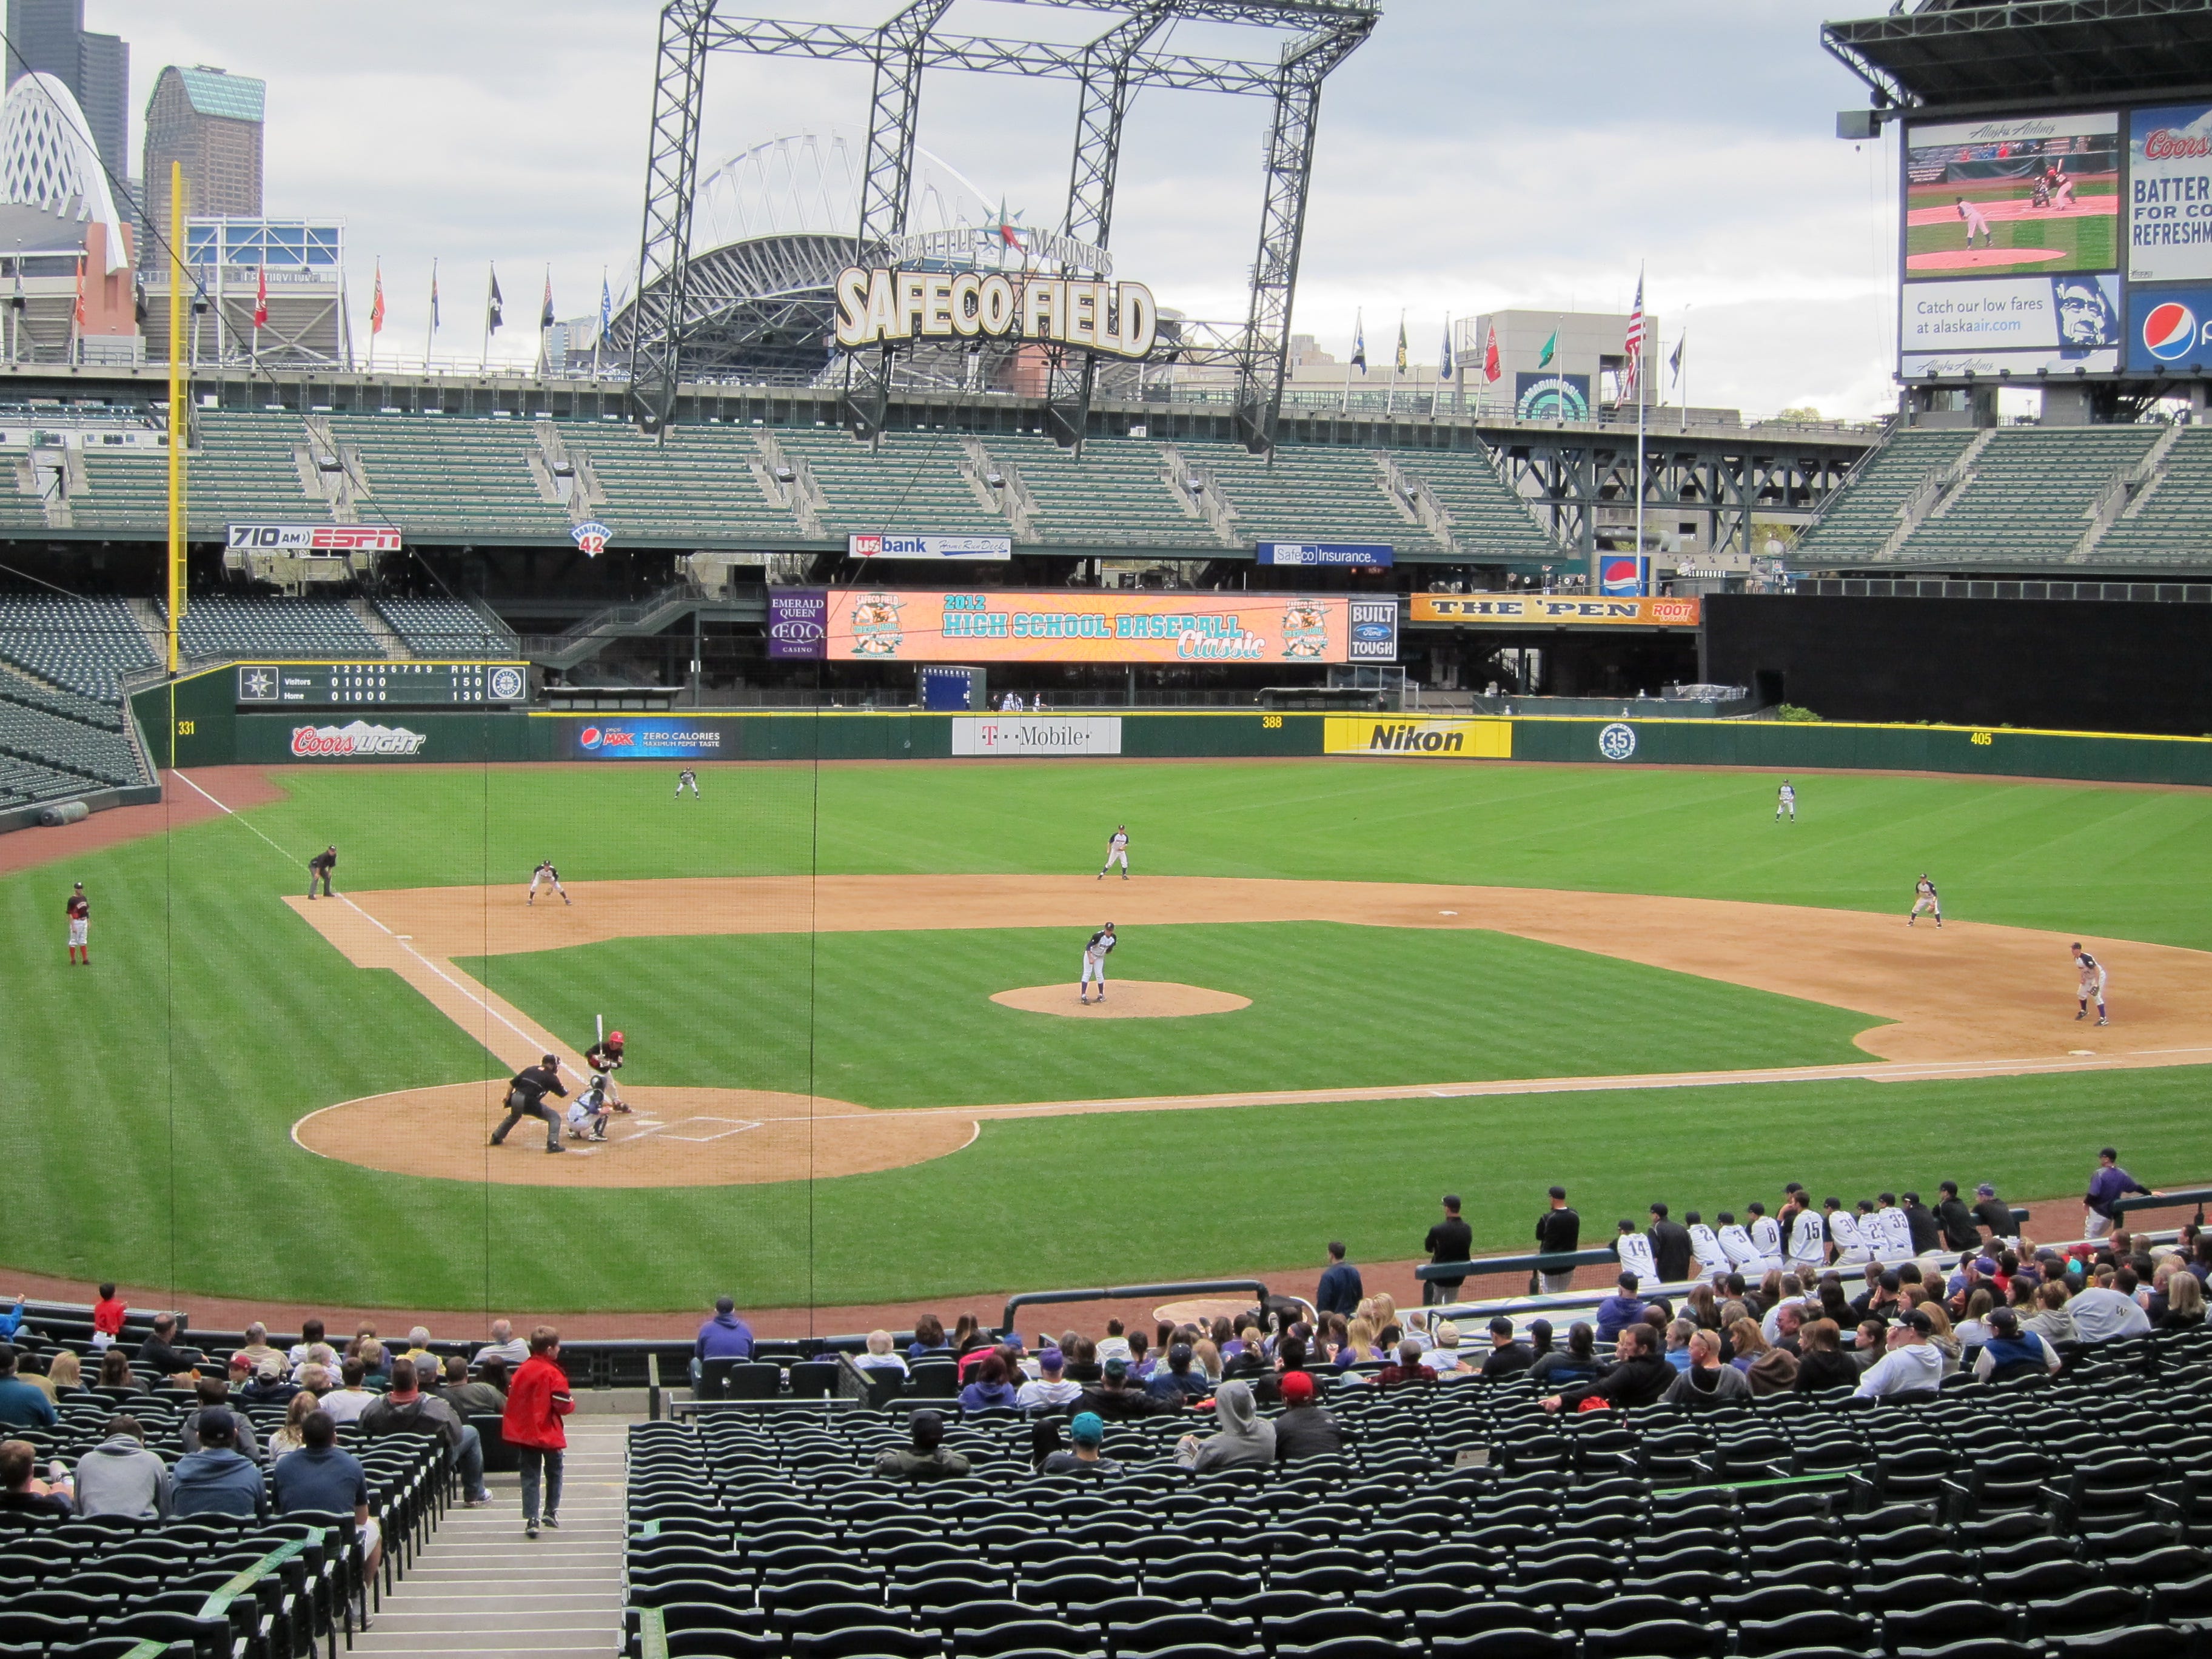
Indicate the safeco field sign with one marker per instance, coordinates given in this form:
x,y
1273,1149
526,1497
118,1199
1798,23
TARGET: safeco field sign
x,y
1390,734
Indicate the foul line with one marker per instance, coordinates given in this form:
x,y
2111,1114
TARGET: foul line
x,y
466,991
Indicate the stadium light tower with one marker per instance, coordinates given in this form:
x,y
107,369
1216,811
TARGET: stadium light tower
x,y
1108,71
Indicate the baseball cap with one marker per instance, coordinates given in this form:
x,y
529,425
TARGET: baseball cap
x,y
1918,1320
1297,1387
1985,1190
1117,1366
272,1366
1087,1429
79,883
241,1362
1049,1360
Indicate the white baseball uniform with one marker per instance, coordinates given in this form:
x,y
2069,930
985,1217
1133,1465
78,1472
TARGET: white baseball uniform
x,y
1705,1245
1094,959
1117,851
545,875
1742,1254
1808,1239
1893,1235
1766,1239
1634,1251
1852,1248
1924,899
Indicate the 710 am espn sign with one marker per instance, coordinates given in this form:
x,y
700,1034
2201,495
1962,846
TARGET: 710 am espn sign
x,y
329,539
887,305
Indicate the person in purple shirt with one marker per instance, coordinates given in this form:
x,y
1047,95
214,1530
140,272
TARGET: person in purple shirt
x,y
1620,1310
725,1336
2106,1187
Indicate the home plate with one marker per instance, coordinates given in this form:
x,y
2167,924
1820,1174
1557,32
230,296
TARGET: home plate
x,y
2081,1051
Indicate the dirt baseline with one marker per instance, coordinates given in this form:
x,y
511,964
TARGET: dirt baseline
x,y
1969,1000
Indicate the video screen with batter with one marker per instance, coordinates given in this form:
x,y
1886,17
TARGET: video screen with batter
x,y
2037,195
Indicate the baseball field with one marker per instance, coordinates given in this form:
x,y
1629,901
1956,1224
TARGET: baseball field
x,y
860,1073
2081,236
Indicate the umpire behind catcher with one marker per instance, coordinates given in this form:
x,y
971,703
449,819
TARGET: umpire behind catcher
x,y
526,1098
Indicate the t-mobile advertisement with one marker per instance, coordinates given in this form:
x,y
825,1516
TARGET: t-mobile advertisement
x,y
645,739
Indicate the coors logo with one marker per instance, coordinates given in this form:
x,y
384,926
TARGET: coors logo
x,y
2165,144
360,738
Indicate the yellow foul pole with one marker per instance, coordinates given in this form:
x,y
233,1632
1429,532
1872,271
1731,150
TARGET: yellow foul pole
x,y
180,412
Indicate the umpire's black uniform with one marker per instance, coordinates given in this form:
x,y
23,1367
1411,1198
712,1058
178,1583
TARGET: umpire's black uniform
x,y
526,1098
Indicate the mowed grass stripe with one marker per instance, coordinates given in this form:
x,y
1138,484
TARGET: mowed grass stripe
x,y
906,1019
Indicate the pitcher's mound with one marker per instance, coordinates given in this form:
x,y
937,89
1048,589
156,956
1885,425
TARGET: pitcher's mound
x,y
1127,999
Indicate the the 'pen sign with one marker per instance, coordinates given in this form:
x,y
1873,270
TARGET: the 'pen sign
x,y
885,305
326,539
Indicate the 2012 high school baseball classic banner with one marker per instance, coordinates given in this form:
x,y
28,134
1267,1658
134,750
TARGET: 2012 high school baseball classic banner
x,y
885,624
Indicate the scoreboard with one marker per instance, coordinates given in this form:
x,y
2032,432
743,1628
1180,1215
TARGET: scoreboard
x,y
381,684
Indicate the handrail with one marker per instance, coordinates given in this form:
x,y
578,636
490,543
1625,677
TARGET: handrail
x,y
652,1634
1534,1262
2200,1196
1127,1293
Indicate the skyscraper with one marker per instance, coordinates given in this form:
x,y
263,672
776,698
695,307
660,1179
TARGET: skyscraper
x,y
47,37
209,120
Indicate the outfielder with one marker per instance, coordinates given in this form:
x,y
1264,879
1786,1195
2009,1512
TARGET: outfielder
x,y
546,874
80,928
1978,224
604,1058
1117,851
587,1113
1094,953
2089,986
1785,800
1923,898
687,776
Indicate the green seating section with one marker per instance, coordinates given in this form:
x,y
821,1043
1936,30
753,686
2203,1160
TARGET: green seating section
x,y
698,483
26,783
2171,523
61,744
86,645
243,470
1115,496
450,475
228,625
1864,515
444,627
913,483
18,511
1487,521
17,687
2028,502
1308,493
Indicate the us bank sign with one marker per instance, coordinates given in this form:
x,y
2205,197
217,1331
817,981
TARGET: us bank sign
x,y
886,306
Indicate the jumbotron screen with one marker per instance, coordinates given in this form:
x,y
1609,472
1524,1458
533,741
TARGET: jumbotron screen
x,y
2052,245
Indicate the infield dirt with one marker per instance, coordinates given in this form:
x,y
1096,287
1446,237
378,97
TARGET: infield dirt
x,y
1965,1000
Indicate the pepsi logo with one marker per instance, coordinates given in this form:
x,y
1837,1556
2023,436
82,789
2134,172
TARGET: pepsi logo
x,y
2169,331
589,737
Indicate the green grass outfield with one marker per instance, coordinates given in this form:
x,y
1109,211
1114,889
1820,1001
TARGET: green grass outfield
x,y
2088,241
147,1102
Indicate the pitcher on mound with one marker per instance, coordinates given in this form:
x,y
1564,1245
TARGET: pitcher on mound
x,y
1094,964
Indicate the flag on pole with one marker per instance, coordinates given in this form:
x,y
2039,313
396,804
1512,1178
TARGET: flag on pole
x,y
77,316
15,301
1358,342
1550,347
261,296
1674,362
376,303
1632,347
1490,366
606,304
493,305
545,311
1443,358
434,297
1400,360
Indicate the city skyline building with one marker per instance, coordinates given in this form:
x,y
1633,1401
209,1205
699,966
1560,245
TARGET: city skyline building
x,y
210,120
48,37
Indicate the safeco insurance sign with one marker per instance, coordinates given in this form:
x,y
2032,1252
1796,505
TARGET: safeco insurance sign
x,y
1429,739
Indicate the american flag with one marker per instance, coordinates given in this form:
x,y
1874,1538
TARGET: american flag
x,y
1633,374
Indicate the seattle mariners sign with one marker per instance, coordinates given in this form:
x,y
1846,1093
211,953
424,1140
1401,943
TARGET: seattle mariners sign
x,y
890,305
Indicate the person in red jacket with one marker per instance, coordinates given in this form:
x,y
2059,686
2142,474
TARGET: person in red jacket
x,y
537,1400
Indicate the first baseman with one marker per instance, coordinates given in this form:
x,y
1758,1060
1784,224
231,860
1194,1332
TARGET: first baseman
x,y
80,928
2090,986
1094,953
546,873
1117,851
1785,800
1923,898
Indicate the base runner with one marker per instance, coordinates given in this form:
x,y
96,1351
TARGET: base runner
x,y
1923,898
2090,984
80,928
1117,851
546,875
1094,953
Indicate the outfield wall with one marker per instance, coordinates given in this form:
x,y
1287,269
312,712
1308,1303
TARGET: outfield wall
x,y
209,731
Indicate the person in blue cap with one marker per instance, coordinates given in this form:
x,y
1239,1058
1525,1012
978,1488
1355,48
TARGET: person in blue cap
x,y
1087,1433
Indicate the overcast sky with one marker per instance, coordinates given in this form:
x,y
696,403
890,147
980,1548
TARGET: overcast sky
x,y
1475,154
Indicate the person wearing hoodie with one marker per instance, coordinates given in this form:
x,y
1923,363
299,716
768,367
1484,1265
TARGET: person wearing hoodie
x,y
1305,1429
725,1336
537,1400
2054,1320
925,1457
119,1476
1774,1371
1822,1365
1620,1310
216,1479
1912,1365
1245,1439
1708,1381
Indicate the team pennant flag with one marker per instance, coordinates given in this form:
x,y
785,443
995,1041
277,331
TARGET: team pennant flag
x,y
1358,342
376,302
1490,366
494,307
1674,362
261,296
1443,358
545,311
1400,359
1551,347
434,297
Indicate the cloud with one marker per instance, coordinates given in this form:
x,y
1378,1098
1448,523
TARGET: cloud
x,y
1472,156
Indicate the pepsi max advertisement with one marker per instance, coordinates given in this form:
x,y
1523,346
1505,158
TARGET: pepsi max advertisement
x,y
645,739
2169,328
